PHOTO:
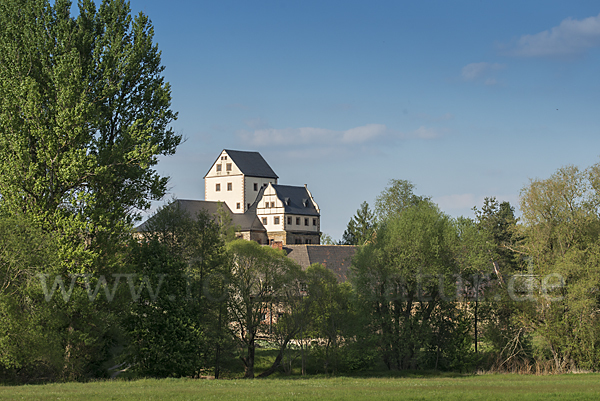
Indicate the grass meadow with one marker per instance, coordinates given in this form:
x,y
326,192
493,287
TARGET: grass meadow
x,y
408,387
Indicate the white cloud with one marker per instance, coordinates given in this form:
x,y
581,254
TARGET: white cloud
x,y
312,135
570,38
425,133
364,133
475,71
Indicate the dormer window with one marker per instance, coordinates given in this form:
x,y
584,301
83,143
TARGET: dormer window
x,y
287,201
305,202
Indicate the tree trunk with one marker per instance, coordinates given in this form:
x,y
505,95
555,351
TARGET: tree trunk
x,y
249,361
277,361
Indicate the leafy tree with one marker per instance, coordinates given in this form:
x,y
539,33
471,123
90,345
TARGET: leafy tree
x,y
29,343
84,113
360,227
190,253
330,313
261,277
397,196
501,325
326,239
499,221
406,283
561,226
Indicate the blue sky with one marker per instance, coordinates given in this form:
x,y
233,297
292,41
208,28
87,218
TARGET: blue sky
x,y
466,99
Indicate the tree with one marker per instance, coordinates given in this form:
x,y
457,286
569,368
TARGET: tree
x,y
330,313
396,197
84,113
406,284
190,254
29,343
561,227
360,227
499,221
261,277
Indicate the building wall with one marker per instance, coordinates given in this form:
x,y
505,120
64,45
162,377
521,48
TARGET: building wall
x,y
231,197
250,191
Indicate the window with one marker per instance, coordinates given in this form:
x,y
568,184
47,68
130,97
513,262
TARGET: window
x,y
297,221
289,220
308,241
229,186
238,206
228,167
272,204
264,220
275,220
255,186
223,157
218,167
266,204
314,222
218,187
306,221
248,206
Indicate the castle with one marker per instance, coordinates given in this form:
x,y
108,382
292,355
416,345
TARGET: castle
x,y
287,217
263,210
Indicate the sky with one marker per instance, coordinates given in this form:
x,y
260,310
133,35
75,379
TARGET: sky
x,y
465,99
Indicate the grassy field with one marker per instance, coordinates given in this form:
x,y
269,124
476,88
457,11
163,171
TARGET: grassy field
x,y
480,387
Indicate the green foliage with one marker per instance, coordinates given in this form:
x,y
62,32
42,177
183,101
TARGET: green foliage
x,y
29,346
561,225
397,196
405,281
263,279
84,112
330,315
360,227
179,328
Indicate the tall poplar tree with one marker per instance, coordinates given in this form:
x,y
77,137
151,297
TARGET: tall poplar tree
x,y
84,113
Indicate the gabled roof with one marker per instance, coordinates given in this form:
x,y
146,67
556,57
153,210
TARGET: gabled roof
x,y
246,222
336,258
296,200
250,164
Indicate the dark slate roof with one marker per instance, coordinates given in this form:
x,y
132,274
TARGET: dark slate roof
x,y
246,222
294,199
336,258
251,163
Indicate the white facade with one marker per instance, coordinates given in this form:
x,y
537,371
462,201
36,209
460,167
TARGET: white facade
x,y
289,214
225,182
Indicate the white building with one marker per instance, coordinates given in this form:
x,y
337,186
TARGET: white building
x,y
236,178
247,184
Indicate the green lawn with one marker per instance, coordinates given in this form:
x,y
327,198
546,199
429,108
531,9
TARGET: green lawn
x,y
482,387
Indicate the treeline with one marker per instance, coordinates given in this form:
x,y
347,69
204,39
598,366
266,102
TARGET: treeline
x,y
426,292
84,115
